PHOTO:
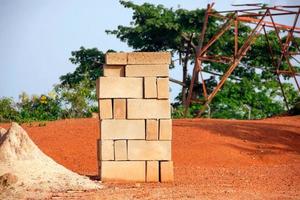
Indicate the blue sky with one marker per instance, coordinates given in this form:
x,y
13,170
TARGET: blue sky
x,y
37,37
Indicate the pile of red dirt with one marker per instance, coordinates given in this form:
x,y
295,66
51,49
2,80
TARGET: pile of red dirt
x,y
214,159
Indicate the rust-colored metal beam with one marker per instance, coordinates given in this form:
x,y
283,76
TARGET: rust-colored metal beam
x,y
241,53
276,67
236,32
233,19
201,52
274,14
213,60
285,46
277,8
197,66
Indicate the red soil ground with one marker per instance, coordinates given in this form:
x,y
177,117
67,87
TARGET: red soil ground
x,y
214,159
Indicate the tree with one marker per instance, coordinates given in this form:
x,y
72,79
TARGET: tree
x,y
38,108
156,28
77,90
78,100
90,62
8,110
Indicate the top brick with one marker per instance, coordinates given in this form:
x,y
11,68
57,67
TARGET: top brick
x,y
149,58
116,58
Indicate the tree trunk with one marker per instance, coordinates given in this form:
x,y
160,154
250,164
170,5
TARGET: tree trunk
x,y
184,78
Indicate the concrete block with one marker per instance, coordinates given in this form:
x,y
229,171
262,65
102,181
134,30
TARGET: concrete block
x,y
165,129
148,109
114,70
163,88
120,87
149,58
152,171
120,150
147,70
150,89
122,129
119,108
105,108
116,58
166,171
151,129
123,171
106,150
149,150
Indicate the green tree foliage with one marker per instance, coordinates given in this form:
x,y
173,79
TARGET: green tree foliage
x,y
8,110
77,90
74,96
253,83
39,108
35,108
90,62
77,100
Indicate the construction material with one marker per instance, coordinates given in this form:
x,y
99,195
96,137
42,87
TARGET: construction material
x,y
136,129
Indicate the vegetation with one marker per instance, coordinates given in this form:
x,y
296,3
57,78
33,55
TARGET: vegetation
x,y
251,92
252,86
8,110
74,96
77,90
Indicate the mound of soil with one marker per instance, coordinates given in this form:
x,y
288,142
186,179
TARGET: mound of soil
x,y
2,131
24,169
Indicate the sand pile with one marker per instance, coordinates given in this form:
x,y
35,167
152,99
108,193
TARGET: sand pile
x,y
2,132
35,171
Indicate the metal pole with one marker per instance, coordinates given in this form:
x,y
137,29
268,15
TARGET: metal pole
x,y
197,64
242,51
276,68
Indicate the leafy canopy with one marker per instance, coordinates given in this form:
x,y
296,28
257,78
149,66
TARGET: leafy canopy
x,y
253,82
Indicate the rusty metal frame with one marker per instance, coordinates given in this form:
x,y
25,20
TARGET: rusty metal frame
x,y
232,18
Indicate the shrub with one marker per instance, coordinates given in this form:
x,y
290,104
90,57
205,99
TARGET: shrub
x,y
39,108
78,100
8,110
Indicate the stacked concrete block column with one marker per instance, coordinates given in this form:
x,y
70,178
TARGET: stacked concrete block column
x,y
135,120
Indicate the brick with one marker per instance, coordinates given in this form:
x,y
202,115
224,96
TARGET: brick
x,y
152,171
123,171
105,108
106,150
162,88
165,129
150,89
120,87
149,58
116,58
148,109
151,129
149,150
114,70
120,150
122,129
166,171
147,71
119,108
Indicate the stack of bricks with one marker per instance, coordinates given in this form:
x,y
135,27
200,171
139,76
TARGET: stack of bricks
x,y
135,122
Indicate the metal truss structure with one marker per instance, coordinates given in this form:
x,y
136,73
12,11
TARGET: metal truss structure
x,y
262,19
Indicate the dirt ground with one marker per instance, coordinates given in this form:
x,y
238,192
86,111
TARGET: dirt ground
x,y
214,159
